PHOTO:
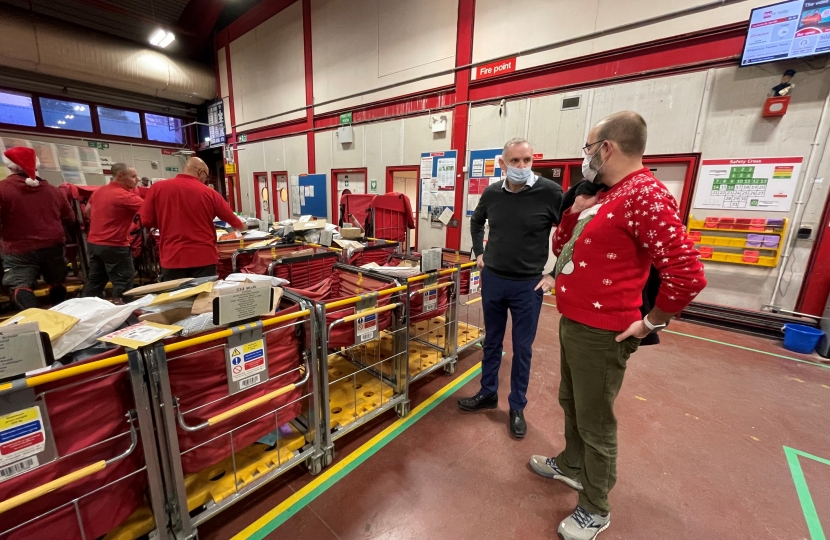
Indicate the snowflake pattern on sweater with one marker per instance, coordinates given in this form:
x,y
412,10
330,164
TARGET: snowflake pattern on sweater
x,y
606,252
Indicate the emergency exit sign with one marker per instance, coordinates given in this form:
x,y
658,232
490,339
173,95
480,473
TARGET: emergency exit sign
x,y
171,169
494,69
346,118
243,138
98,145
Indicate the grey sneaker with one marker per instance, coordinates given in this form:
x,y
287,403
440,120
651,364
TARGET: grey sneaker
x,y
547,467
582,525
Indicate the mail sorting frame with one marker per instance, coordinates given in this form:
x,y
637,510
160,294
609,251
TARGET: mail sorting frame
x,y
470,310
96,385
381,372
171,416
426,332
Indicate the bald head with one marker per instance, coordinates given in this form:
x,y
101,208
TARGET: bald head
x,y
197,167
627,129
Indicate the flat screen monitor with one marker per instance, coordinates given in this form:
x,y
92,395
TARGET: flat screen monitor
x,y
787,30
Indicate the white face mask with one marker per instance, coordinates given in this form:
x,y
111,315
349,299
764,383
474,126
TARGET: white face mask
x,y
588,172
517,175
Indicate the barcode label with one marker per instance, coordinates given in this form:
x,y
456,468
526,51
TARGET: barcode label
x,y
16,468
250,381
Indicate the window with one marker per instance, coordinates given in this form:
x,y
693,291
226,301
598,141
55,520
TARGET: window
x,y
59,114
164,128
118,122
16,109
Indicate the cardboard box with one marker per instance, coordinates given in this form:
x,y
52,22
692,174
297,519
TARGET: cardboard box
x,y
310,224
351,233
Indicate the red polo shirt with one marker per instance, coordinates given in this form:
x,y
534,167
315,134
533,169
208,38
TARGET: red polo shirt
x,y
113,210
32,218
183,208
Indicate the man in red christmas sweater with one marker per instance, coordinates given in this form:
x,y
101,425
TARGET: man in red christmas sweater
x,y
605,246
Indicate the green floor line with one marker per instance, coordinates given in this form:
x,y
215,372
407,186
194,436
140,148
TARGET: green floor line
x,y
353,460
804,497
748,349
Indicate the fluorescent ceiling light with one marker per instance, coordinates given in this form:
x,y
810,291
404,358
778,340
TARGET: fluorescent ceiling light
x,y
161,38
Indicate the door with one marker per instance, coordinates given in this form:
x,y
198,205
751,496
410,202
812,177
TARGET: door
x,y
262,196
348,181
406,182
279,196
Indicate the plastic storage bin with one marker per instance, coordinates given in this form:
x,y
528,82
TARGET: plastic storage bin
x,y
801,339
758,224
751,256
706,252
726,223
711,223
755,240
771,241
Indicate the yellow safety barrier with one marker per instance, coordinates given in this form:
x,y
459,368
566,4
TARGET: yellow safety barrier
x,y
422,277
355,299
359,314
49,487
469,264
250,405
473,301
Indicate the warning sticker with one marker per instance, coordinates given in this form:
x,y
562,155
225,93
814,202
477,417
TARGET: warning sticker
x,y
430,301
247,359
366,328
21,435
475,282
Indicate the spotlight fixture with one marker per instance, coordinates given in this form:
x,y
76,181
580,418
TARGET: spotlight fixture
x,y
161,38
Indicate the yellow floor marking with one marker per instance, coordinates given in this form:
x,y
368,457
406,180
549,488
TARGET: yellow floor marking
x,y
692,416
641,398
756,439
825,386
796,380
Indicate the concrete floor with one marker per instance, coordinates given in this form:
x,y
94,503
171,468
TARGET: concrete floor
x,y
702,430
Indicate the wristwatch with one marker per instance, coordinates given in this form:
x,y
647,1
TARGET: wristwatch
x,y
653,327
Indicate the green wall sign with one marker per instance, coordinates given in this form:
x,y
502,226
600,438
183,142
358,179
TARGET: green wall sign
x,y
346,118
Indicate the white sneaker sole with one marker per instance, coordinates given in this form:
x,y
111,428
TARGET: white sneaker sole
x,y
604,527
573,484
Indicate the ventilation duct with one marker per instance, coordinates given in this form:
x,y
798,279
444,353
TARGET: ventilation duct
x,y
49,49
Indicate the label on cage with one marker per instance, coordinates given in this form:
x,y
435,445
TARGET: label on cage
x,y
366,328
251,381
430,301
21,435
18,468
475,282
431,259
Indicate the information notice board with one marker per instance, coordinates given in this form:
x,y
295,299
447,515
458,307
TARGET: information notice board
x,y
755,184
484,170
438,171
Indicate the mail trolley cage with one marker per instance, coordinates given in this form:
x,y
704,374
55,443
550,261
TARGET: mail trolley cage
x,y
390,217
431,307
99,462
361,334
228,252
469,319
374,250
222,440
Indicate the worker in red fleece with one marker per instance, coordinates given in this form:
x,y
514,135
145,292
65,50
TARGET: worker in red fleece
x,y
111,211
605,245
32,215
183,208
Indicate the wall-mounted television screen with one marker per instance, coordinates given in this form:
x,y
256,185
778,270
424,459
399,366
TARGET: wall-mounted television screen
x,y
787,30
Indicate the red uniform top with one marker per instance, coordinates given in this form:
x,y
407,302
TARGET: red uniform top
x,y
113,210
183,209
32,217
605,254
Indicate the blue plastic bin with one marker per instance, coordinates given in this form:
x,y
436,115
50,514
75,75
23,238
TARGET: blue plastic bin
x,y
801,339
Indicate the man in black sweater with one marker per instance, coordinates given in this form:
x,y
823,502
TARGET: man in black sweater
x,y
521,211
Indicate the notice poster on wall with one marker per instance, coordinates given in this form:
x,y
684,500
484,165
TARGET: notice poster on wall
x,y
484,170
438,170
90,161
72,177
68,158
754,184
47,155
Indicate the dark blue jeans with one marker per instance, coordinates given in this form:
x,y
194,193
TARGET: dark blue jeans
x,y
498,296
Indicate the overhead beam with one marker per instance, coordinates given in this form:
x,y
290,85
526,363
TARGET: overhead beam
x,y
198,20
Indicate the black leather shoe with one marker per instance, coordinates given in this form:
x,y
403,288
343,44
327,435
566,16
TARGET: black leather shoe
x,y
478,402
518,426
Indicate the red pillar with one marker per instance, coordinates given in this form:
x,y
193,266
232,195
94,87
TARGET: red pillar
x,y
309,85
463,56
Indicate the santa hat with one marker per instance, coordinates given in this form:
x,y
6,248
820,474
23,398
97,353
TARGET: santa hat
x,y
23,158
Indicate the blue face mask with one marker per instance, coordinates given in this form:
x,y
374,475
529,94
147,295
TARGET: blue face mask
x,y
519,176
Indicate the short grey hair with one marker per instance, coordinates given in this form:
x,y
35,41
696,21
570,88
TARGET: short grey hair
x,y
118,168
513,142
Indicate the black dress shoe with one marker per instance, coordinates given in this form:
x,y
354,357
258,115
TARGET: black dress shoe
x,y
518,426
478,402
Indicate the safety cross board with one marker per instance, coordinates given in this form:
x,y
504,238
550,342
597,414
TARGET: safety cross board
x,y
475,282
247,360
366,328
430,301
22,437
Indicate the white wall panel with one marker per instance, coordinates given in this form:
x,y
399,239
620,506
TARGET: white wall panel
x,y
382,43
554,133
222,67
268,69
491,129
670,106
